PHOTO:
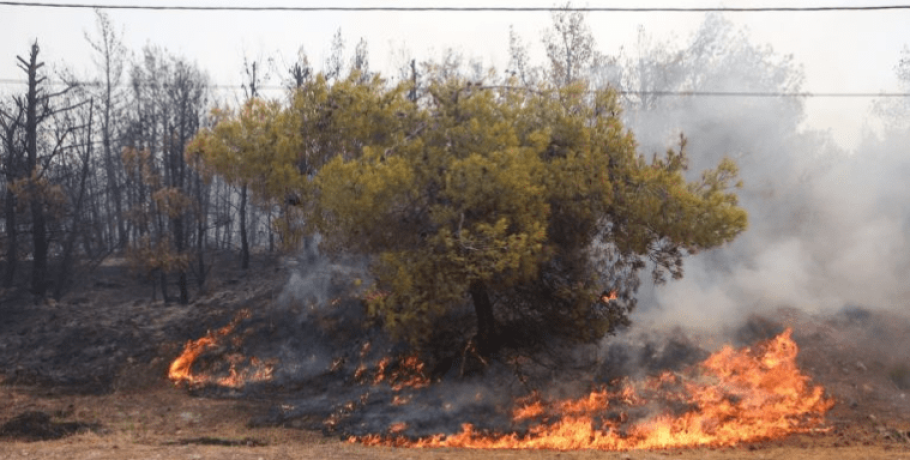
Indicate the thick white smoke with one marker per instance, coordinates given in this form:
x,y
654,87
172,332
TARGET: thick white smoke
x,y
828,228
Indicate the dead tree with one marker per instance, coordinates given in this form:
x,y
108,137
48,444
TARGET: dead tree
x,y
83,147
12,128
171,100
110,58
38,108
32,120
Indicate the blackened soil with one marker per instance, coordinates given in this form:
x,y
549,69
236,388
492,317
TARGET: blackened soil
x,y
109,332
41,426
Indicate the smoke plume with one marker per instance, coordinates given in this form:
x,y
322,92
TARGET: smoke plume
x,y
828,228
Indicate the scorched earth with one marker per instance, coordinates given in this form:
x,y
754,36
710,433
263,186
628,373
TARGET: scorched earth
x,y
88,378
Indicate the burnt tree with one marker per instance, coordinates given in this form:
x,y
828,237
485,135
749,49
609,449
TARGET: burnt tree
x,y
110,58
12,135
170,99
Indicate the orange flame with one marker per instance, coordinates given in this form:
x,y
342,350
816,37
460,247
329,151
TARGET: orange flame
x,y
733,397
408,373
181,370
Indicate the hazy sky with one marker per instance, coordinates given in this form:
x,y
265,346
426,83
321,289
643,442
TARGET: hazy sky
x,y
840,51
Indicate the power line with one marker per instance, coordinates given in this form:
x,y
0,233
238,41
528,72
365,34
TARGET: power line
x,y
14,81
761,94
506,9
768,94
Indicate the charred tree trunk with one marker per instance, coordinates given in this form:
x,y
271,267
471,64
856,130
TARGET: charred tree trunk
x,y
244,243
268,225
202,197
228,196
163,279
113,180
12,126
487,339
70,242
39,230
12,238
181,273
110,58
116,196
180,236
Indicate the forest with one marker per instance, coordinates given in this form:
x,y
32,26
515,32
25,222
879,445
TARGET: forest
x,y
98,167
547,255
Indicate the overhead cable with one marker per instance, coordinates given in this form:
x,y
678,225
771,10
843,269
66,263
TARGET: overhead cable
x,y
798,94
468,9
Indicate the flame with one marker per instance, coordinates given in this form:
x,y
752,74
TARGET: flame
x,y
732,397
405,372
398,427
181,370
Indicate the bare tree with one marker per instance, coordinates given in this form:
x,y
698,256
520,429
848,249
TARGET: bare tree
x,y
299,72
110,59
187,94
170,100
12,123
570,46
32,119
78,125
34,182
361,61
334,64
519,62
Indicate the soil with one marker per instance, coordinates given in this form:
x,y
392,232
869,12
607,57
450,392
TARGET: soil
x,y
86,378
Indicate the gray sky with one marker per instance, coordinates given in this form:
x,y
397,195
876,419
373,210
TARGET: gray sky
x,y
840,51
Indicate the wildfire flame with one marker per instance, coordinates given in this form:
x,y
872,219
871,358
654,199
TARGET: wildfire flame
x,y
734,396
409,373
251,370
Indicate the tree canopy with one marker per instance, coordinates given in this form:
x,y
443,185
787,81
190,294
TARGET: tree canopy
x,y
532,205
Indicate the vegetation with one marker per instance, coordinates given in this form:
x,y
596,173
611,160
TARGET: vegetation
x,y
534,203
526,199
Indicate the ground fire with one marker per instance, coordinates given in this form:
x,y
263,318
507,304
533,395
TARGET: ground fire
x,y
734,396
240,370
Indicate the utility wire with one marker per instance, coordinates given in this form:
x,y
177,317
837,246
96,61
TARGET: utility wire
x,y
769,94
14,81
507,9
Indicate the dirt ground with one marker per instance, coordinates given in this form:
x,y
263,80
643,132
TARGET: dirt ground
x,y
861,357
166,423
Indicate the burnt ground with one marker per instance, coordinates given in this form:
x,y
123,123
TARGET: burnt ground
x,y
86,378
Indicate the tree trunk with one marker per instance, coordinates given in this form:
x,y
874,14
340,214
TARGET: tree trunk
x,y
39,239
202,197
12,235
116,196
164,294
70,242
268,225
181,273
39,231
11,124
244,244
229,230
487,340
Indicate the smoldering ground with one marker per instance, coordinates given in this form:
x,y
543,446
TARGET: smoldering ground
x,y
827,236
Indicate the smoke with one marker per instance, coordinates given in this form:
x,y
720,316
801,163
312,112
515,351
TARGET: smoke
x,y
827,228
316,279
316,320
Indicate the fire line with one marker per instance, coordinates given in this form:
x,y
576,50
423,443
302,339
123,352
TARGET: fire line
x,y
734,396
255,370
